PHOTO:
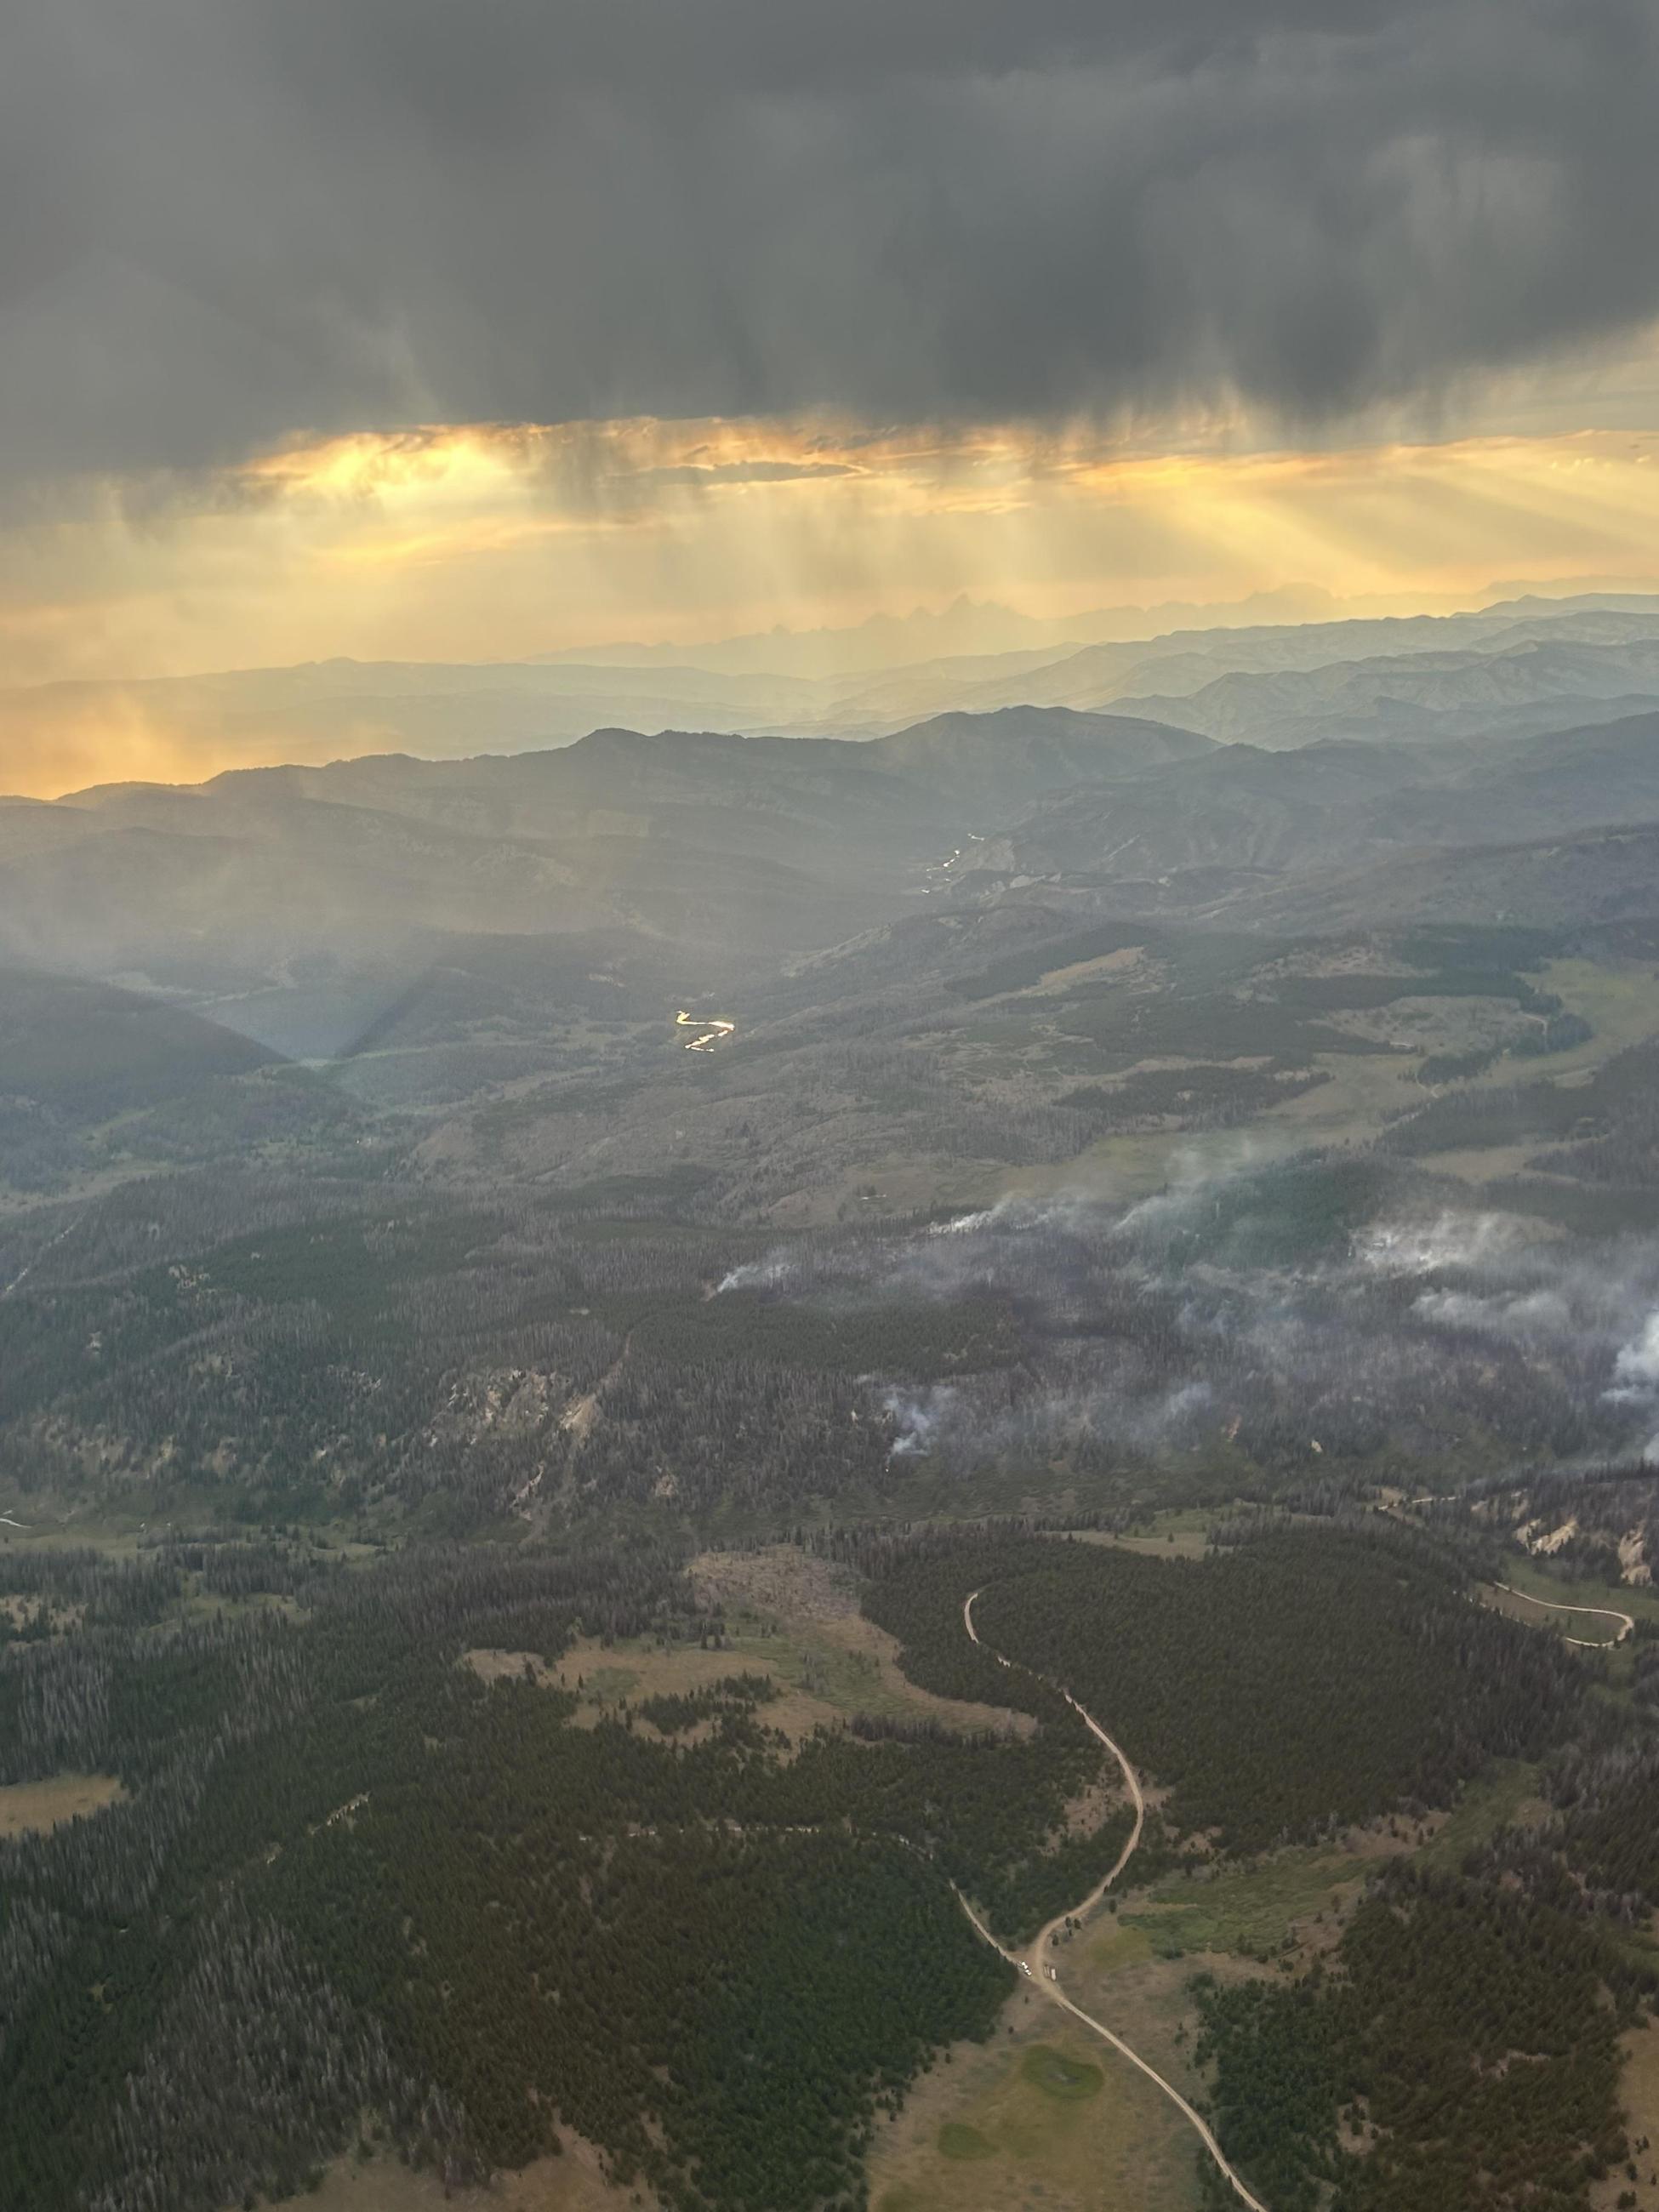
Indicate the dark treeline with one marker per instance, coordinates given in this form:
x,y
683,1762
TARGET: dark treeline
x,y
1610,1122
1458,2053
392,1888
389,1886
1459,2045
99,1591
733,1694
1295,1683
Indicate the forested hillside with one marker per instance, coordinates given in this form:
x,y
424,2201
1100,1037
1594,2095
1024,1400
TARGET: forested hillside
x,y
1452,2037
1300,1682
442,1203
391,1885
489,1913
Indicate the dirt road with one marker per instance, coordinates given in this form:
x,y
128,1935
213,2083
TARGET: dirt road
x,y
1035,1962
1626,1624
711,1030
52,1243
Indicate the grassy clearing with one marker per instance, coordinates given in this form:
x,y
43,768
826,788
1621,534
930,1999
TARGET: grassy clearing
x,y
1506,1795
1181,1534
20,1611
890,1184
1042,2115
1619,1001
199,1604
1116,1943
1147,2001
1638,2091
30,1808
826,1673
1493,1163
603,1677
1640,1601
1136,1165
786,1615
1362,1094
1250,1912
1539,1613
1182,1544
1254,1911
956,2139
796,1618
574,2183
1058,2075
31,1526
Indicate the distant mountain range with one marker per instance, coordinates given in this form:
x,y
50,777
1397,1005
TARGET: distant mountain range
x,y
965,627
300,905
1408,697
1246,806
1514,668
729,854
746,848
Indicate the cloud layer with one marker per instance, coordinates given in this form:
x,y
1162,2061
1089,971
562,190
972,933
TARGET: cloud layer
x,y
231,221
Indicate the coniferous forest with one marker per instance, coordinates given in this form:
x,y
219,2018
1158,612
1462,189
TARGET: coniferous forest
x,y
1231,1274
465,1917
828,1105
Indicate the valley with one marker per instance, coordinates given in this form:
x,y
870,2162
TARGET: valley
x,y
504,1475
829,1106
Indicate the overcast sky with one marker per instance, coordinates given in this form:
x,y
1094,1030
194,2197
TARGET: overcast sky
x,y
230,220
235,225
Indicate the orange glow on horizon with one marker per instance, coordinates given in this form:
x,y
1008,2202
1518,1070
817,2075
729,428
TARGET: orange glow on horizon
x,y
482,542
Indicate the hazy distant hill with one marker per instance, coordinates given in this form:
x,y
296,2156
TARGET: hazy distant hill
x,y
1608,772
1595,876
307,899
98,1079
1419,695
310,876
1335,803
748,849
80,1049
1235,807
966,627
328,710
1000,762
1177,666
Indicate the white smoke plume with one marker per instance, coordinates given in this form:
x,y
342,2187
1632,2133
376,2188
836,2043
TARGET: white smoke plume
x,y
918,1416
771,1273
1450,1239
1637,1368
1260,1307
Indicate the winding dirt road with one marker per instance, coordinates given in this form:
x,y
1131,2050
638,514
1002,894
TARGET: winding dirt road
x,y
1035,1960
1626,1623
711,1029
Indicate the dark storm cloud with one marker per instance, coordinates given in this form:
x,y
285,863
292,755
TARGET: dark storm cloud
x,y
228,221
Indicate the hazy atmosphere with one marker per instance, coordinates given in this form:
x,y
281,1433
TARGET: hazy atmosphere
x,y
829,1106
415,332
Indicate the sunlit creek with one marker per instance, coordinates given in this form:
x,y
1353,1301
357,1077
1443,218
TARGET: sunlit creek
x,y
710,1030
